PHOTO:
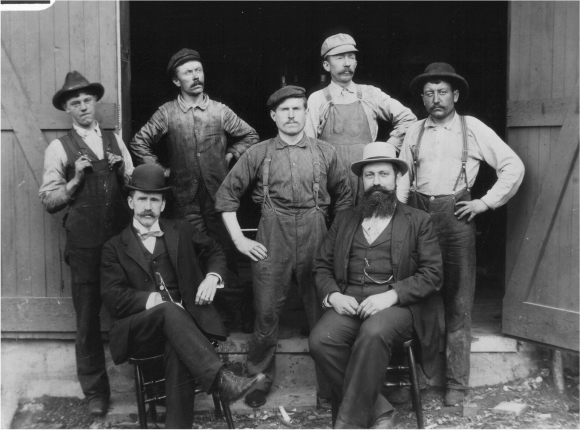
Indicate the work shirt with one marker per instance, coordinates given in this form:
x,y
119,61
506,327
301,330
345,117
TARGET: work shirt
x,y
440,160
291,177
53,192
376,104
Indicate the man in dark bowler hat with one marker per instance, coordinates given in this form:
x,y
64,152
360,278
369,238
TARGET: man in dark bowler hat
x,y
154,287
202,137
296,179
85,170
375,273
445,151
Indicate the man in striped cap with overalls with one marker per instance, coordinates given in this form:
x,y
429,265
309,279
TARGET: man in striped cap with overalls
x,y
444,152
296,178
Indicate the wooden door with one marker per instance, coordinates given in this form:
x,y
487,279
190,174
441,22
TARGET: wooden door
x,y
541,301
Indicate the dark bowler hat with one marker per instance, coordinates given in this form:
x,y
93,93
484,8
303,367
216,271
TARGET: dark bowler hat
x,y
378,151
444,72
182,56
74,81
148,178
284,93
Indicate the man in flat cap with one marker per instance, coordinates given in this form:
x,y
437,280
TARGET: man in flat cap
x,y
85,170
202,137
346,114
375,272
294,178
445,151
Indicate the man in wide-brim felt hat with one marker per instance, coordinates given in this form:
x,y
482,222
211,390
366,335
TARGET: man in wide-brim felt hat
x,y
376,272
444,152
85,171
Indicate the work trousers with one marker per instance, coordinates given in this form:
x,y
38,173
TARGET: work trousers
x,y
84,265
457,241
189,357
354,355
292,239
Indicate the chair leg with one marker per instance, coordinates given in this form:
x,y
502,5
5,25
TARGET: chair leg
x,y
228,414
415,389
217,407
334,404
140,399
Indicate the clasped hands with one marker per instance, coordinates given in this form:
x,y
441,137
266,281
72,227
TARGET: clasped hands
x,y
347,305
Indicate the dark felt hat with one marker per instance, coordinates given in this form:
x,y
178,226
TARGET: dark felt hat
x,y
148,178
73,82
444,72
284,93
182,56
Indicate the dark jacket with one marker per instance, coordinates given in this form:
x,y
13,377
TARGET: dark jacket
x,y
417,269
127,279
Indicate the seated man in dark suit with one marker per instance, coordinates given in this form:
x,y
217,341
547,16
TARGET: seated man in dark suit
x,y
153,287
375,272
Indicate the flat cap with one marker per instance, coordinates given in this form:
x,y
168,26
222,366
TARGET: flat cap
x,y
284,93
182,56
338,44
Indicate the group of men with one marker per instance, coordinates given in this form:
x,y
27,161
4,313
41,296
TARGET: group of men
x,y
366,284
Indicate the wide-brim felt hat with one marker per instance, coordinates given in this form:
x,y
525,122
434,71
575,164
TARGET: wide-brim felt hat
x,y
148,178
73,82
444,72
379,151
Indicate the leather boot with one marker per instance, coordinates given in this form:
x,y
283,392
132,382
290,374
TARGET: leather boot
x,y
231,387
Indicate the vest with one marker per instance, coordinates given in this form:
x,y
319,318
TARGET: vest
x,y
379,268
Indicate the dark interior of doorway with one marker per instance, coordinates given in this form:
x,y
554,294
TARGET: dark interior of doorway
x,y
250,47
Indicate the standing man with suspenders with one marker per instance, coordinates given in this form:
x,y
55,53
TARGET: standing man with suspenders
x,y
85,170
345,114
295,178
444,153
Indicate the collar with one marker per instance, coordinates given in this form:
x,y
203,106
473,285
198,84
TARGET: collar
x,y
280,144
83,132
186,106
142,229
336,90
449,126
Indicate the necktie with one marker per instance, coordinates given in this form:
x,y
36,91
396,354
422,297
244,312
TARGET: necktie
x,y
149,234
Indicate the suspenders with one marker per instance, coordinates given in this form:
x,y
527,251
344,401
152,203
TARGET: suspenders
x,y
328,97
462,173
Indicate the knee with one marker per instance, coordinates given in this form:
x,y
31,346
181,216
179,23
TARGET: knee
x,y
375,333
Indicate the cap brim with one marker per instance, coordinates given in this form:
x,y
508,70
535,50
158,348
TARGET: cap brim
x,y
57,100
357,166
341,50
418,83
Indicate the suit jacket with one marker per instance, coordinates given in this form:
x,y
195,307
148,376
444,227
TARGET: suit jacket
x,y
417,269
127,279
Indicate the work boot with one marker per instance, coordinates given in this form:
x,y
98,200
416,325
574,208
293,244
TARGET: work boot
x,y
231,387
385,421
256,399
98,406
453,397
399,395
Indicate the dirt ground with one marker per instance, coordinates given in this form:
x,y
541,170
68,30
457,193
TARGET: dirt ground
x,y
546,409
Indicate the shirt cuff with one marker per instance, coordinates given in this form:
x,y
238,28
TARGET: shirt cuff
x,y
220,282
150,301
325,302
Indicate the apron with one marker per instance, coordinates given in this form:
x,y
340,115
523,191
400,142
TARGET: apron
x,y
347,128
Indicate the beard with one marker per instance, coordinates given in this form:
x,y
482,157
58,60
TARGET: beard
x,y
379,202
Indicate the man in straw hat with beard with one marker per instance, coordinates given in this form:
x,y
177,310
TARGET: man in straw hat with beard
x,y
375,272
445,151
85,170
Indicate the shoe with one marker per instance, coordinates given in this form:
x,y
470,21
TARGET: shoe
x,y
231,387
98,406
385,421
256,398
453,397
322,403
400,395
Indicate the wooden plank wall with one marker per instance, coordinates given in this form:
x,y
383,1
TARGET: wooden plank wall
x,y
43,46
543,73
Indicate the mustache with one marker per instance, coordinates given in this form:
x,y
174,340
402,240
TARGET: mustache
x,y
146,213
378,201
344,71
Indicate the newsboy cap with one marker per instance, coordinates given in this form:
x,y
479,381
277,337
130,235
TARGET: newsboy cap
x,y
74,82
442,71
284,93
182,56
148,178
338,44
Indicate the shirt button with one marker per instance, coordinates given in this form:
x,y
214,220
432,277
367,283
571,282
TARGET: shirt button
x,y
161,287
294,164
431,198
199,154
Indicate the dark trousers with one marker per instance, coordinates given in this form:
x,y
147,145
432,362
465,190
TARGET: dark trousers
x,y
354,355
86,294
189,356
457,241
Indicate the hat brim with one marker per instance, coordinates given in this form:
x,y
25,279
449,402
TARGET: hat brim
x,y
158,190
181,61
460,82
58,99
340,50
357,166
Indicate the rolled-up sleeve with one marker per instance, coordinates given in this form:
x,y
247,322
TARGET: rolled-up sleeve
x,y
393,111
237,181
52,193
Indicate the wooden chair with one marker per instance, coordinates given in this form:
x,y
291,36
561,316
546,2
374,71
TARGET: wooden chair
x,y
150,389
411,369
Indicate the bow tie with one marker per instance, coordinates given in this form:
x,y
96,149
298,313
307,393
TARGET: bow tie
x,y
149,234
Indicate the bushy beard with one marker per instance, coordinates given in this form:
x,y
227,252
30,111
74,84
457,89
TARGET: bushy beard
x,y
379,202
